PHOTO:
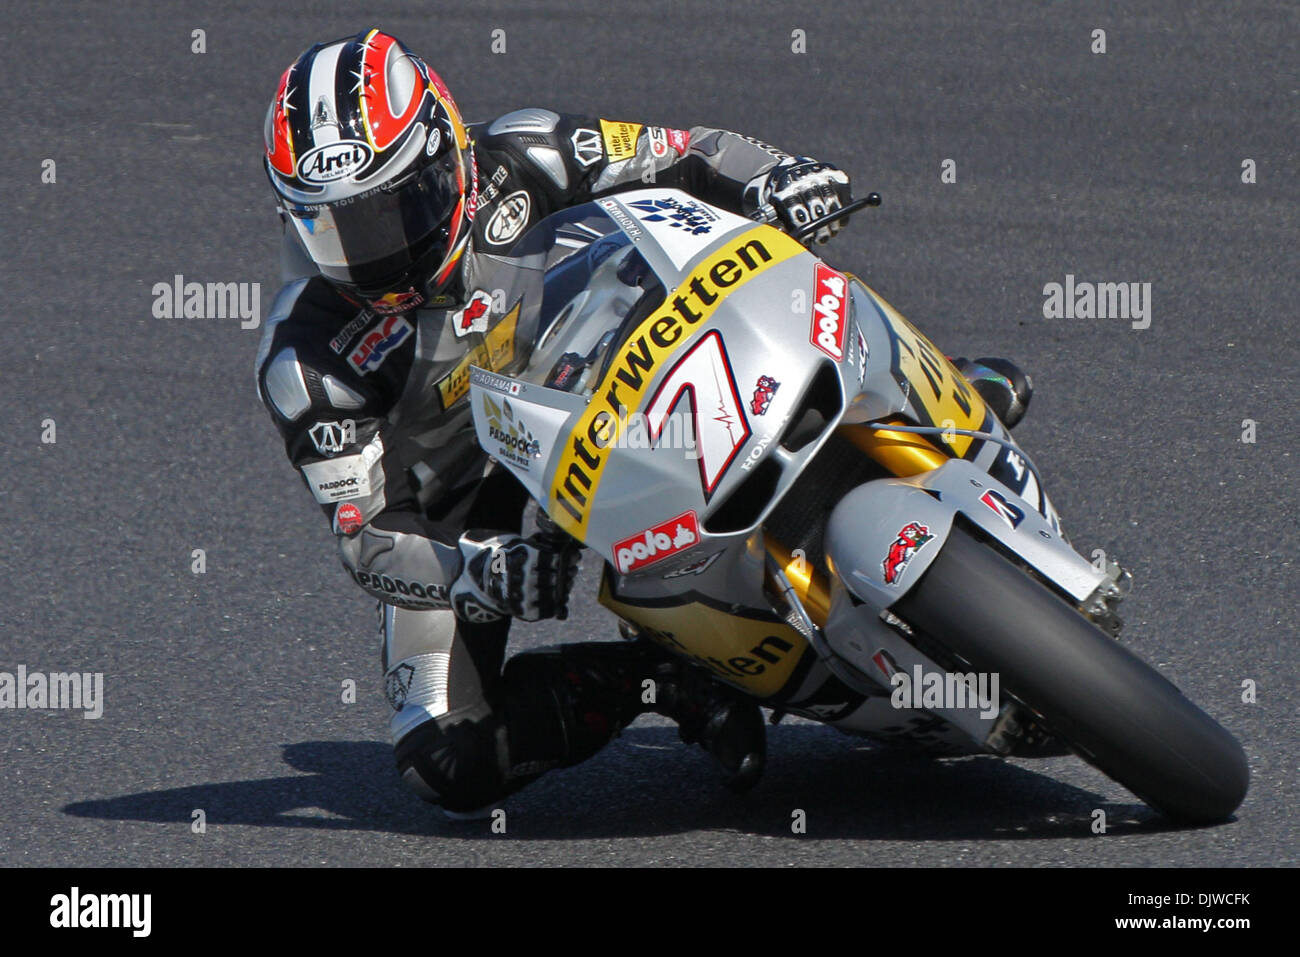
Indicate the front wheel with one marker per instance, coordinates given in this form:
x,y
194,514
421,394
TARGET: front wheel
x,y
1118,712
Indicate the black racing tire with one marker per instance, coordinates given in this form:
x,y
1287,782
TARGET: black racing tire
x,y
1116,711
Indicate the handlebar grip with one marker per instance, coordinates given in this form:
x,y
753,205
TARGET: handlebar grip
x,y
848,209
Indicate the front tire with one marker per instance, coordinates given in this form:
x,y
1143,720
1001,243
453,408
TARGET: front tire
x,y
1118,712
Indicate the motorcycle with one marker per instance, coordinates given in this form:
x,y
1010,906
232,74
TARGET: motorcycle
x,y
792,487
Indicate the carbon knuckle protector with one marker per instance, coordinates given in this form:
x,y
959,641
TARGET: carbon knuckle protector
x,y
803,190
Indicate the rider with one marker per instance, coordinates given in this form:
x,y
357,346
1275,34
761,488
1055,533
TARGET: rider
x,y
390,202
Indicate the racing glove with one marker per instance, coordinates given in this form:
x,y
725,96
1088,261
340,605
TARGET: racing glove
x,y
799,190
509,576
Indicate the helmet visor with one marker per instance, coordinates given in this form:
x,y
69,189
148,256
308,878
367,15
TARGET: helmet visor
x,y
374,238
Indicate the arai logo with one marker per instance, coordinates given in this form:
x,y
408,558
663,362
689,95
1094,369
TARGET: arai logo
x,y
333,161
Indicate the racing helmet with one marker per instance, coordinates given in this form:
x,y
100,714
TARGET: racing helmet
x,y
371,164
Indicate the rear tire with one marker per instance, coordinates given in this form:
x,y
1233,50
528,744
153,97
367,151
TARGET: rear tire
x,y
1121,714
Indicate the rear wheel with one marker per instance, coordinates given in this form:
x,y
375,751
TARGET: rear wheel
x,y
1119,713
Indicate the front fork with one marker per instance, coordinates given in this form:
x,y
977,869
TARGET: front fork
x,y
902,454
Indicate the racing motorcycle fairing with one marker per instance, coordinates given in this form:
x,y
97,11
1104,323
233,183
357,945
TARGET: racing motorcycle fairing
x,y
920,386
688,366
688,388
883,535
723,417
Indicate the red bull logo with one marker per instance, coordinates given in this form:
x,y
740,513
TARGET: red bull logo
x,y
392,303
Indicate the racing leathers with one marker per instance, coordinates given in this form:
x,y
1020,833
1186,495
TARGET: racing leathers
x,y
373,413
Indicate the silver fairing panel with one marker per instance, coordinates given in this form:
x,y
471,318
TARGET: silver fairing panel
x,y
708,431
660,503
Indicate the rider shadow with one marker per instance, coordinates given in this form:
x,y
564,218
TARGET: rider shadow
x,y
648,783
347,785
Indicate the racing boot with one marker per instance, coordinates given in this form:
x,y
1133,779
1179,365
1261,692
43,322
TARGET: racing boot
x,y
1001,384
565,702
595,689
723,722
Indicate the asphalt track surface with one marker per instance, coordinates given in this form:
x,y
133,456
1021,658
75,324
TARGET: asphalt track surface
x,y
222,690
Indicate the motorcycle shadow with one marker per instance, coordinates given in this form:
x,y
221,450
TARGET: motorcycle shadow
x,y
648,783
